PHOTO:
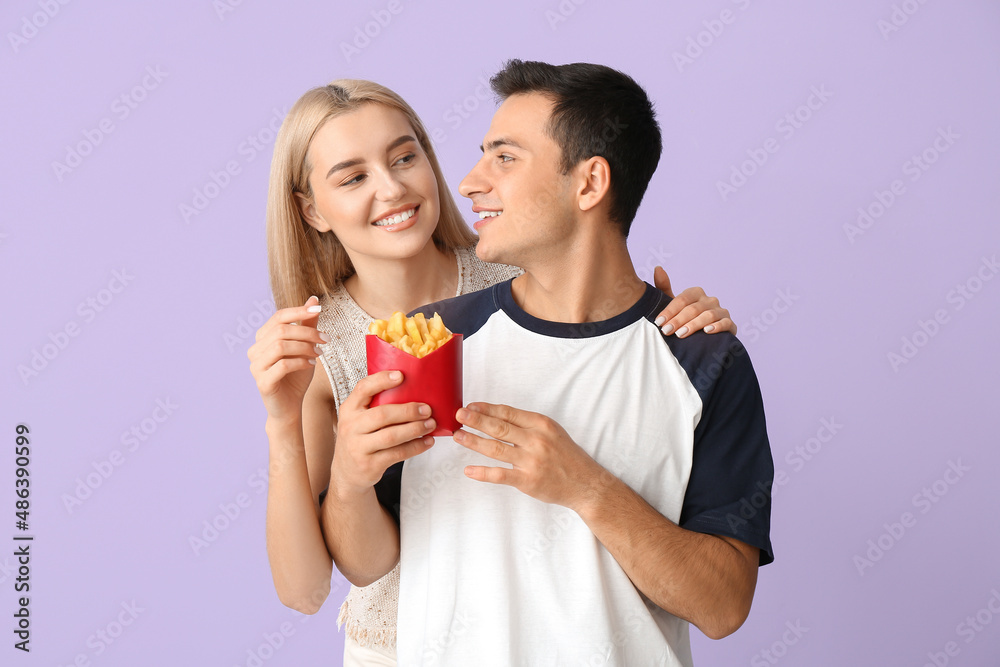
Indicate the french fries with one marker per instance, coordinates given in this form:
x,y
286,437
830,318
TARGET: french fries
x,y
415,335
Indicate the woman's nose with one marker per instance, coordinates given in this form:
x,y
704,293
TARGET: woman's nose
x,y
390,187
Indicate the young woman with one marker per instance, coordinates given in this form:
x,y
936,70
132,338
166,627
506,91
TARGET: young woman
x,y
360,223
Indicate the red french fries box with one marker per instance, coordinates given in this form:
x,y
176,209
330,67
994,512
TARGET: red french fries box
x,y
435,379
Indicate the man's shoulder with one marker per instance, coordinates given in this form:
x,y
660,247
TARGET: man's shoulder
x,y
706,357
467,313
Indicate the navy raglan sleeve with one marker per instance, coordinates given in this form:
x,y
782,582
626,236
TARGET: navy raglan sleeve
x,y
732,471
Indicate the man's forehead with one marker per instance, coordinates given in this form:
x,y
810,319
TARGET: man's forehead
x,y
521,118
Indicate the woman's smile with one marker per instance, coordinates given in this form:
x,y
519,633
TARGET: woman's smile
x,y
398,219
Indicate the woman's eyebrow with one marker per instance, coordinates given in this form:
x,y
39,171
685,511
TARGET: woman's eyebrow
x,y
346,164
353,162
399,142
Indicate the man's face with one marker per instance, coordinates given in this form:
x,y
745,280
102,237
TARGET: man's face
x,y
526,205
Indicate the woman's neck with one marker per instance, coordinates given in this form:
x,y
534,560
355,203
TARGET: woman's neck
x,y
382,287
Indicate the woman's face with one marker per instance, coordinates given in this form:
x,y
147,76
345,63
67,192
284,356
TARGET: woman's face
x,y
372,184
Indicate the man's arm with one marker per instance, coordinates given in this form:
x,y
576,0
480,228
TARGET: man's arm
x,y
708,580
705,579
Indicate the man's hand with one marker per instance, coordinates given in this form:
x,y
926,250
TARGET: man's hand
x,y
548,465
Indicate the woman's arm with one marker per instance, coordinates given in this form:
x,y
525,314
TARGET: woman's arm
x,y
361,535
301,566
351,530
301,428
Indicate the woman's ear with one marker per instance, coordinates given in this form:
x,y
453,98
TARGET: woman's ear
x,y
309,213
596,175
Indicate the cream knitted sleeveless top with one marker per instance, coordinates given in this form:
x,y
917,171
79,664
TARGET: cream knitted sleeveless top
x,y
368,615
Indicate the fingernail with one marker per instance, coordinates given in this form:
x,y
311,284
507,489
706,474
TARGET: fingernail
x,y
325,337
311,298
459,436
312,361
314,309
429,423
425,410
660,320
428,440
395,375
667,329
462,414
682,331
318,349
710,328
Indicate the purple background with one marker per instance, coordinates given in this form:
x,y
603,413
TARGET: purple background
x,y
179,329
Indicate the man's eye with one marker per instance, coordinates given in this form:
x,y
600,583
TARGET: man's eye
x,y
506,158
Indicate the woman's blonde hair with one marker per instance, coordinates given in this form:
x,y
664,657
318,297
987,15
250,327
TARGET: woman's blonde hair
x,y
301,260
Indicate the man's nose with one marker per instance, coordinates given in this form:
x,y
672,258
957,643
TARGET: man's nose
x,y
474,182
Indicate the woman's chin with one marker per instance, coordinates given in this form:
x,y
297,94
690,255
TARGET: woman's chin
x,y
405,245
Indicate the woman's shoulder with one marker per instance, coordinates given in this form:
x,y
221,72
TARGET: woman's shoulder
x,y
344,356
475,274
339,313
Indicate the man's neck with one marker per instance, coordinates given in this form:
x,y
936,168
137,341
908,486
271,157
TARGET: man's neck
x,y
593,281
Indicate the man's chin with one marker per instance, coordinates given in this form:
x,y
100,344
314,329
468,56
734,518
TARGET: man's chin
x,y
486,253
499,254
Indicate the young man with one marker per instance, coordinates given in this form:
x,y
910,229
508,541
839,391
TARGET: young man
x,y
596,502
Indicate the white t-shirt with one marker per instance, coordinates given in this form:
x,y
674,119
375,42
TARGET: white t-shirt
x,y
491,576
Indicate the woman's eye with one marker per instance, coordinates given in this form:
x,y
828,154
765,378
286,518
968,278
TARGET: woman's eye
x,y
353,181
406,159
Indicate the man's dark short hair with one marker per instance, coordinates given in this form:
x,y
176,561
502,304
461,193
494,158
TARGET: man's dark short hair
x,y
597,111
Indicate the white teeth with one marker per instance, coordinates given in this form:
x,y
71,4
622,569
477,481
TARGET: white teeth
x,y
489,214
396,219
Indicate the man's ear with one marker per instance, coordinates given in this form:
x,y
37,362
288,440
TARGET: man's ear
x,y
309,213
595,174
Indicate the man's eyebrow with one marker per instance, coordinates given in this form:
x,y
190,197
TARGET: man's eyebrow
x,y
497,143
347,164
